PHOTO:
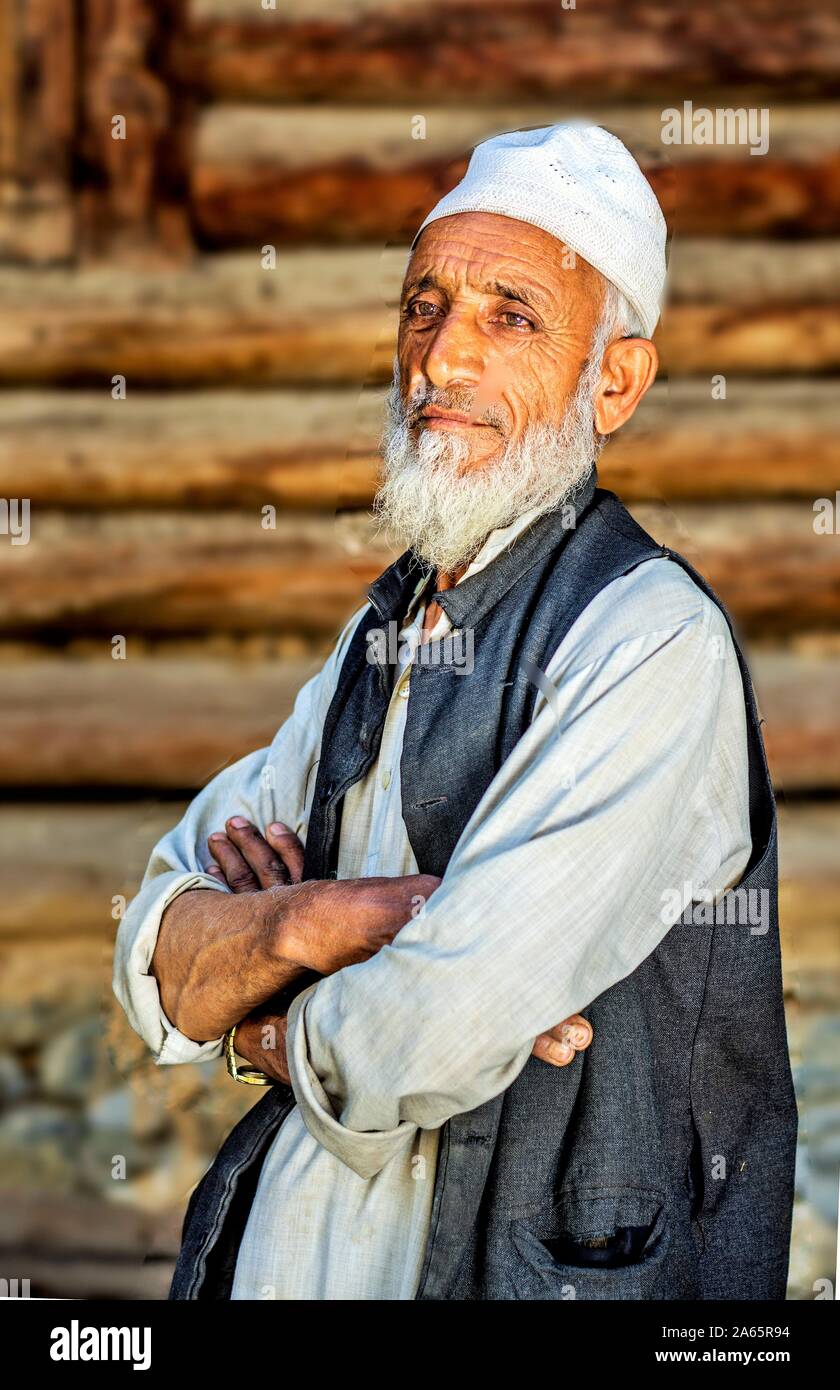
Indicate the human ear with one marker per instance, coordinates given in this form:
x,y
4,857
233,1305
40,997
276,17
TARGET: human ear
x,y
627,373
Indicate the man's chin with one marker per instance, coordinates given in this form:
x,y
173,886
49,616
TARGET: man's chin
x,y
485,445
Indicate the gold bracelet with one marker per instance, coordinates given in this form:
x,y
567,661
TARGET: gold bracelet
x,y
249,1076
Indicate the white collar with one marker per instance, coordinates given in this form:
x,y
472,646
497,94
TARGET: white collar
x,y
496,542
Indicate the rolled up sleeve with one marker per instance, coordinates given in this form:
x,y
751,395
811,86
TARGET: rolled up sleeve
x,y
135,986
365,1153
178,864
268,785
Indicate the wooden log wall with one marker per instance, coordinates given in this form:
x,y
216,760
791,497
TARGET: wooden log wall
x,y
141,264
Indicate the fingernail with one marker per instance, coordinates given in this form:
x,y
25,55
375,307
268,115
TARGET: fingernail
x,y
219,835
238,822
278,828
563,1052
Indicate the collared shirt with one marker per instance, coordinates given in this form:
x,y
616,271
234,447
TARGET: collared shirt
x,y
638,765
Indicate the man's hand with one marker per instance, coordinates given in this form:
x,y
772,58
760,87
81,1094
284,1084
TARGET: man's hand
x,y
248,862
351,919
261,1040
218,956
560,1044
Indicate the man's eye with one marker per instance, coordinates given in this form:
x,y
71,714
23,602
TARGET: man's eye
x,y
512,319
422,308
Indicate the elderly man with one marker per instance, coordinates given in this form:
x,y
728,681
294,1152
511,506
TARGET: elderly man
x,y
549,795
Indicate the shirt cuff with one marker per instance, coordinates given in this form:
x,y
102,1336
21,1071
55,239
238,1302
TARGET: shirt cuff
x,y
137,989
177,1047
365,1152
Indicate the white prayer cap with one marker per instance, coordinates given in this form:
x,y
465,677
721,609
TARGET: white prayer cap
x,y
581,184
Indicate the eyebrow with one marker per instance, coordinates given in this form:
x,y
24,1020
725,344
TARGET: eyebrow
x,y
531,298
426,282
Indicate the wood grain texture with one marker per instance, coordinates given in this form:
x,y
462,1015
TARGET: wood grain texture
x,y
330,317
809,904
184,572
295,174
130,197
700,338
301,138
143,723
499,50
173,722
301,450
187,572
37,74
64,864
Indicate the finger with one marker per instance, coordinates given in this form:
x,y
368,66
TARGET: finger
x,y
257,853
215,872
290,848
238,875
549,1049
575,1030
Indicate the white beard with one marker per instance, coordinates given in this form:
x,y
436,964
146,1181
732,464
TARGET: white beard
x,y
426,502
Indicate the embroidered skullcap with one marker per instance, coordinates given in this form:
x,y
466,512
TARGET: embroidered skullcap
x,y
581,184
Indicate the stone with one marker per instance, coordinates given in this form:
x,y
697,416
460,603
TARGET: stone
x,y
14,1083
39,1146
73,1061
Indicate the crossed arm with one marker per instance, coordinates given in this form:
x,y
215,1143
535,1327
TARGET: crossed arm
x,y
553,893
220,959
190,962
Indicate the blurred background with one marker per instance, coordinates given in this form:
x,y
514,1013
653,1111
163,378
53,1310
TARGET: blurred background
x,y
196,325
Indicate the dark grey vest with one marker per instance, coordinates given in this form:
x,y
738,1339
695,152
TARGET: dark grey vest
x,y
660,1164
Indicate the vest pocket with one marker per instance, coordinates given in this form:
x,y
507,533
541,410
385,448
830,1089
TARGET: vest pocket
x,y
593,1243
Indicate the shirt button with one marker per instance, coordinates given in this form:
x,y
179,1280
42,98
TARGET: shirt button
x,y
386,778
404,690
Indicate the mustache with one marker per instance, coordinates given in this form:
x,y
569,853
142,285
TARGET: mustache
x,y
455,399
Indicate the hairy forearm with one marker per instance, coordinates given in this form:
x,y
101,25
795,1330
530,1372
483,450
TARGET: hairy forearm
x,y
219,955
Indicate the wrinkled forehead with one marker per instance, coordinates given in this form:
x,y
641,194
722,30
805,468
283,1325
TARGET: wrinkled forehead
x,y
485,252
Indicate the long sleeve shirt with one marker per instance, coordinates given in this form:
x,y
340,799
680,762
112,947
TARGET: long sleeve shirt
x,y
637,762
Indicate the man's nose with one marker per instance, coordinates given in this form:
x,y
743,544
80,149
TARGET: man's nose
x,y
455,356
